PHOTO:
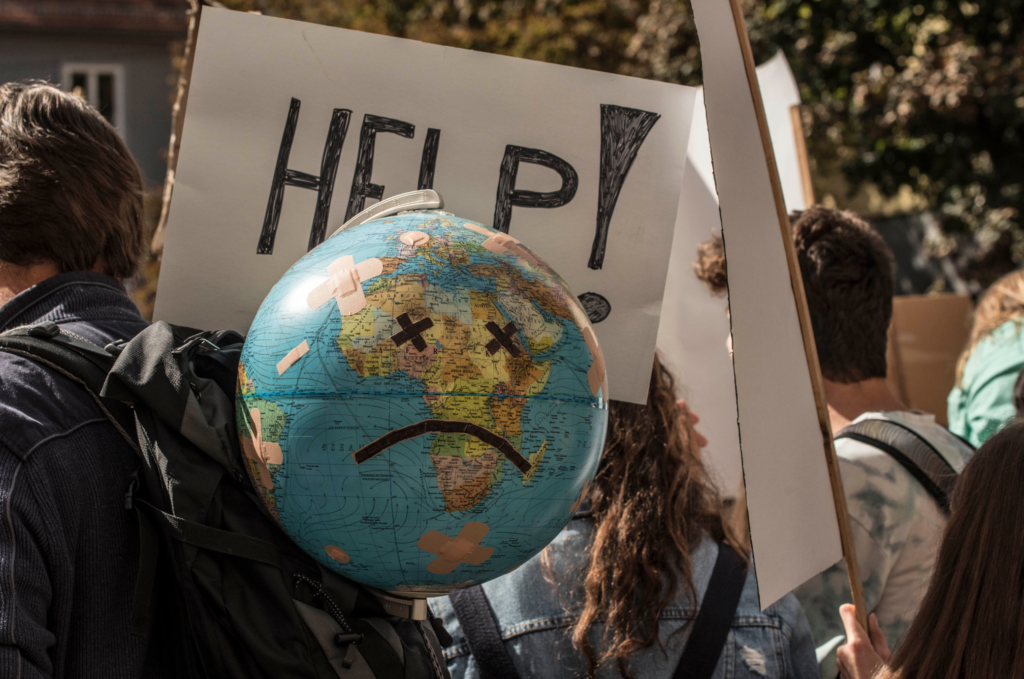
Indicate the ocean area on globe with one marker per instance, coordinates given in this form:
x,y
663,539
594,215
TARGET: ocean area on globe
x,y
422,403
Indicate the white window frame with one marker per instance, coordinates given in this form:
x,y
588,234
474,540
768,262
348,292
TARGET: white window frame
x,y
93,71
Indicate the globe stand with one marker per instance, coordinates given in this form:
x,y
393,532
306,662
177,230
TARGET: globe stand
x,y
412,606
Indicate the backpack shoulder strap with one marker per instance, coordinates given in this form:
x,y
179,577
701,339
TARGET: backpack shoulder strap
x,y
699,659
71,355
912,451
77,359
88,364
483,635
714,619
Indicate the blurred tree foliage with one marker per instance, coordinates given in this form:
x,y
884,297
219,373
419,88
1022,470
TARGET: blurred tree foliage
x,y
928,95
913,97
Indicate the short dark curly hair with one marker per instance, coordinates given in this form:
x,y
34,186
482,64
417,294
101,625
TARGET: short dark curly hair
x,y
70,192
710,266
849,278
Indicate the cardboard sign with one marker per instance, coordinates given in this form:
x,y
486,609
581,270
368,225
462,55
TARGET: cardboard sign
x,y
694,325
291,128
927,334
793,522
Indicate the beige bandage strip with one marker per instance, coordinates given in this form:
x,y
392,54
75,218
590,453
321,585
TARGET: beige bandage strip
x,y
417,238
345,284
596,377
502,243
452,552
292,356
337,553
261,452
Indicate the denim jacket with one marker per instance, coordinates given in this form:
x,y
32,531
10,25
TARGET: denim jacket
x,y
536,624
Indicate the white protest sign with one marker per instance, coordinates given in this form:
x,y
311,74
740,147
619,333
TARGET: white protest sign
x,y
694,325
780,94
291,127
793,526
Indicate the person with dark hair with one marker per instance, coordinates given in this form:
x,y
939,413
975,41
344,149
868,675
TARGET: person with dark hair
x,y
895,517
617,591
848,277
71,229
970,624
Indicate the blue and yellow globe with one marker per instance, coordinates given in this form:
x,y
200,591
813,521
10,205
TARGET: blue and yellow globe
x,y
422,403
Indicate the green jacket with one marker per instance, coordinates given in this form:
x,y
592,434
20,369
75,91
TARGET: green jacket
x,y
983,403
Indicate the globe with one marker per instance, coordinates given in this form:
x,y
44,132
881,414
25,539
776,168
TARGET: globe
x,y
422,403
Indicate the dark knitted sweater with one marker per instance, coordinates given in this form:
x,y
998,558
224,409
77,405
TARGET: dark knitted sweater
x,y
68,549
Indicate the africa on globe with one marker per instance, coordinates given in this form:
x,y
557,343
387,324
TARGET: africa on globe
x,y
422,403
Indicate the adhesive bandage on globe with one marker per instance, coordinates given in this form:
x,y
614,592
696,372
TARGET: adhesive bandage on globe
x,y
344,284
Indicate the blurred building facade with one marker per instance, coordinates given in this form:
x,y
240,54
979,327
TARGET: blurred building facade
x,y
116,54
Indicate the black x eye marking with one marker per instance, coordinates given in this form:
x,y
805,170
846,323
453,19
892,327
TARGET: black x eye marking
x,y
502,338
411,332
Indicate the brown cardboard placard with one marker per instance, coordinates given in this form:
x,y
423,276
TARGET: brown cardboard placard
x,y
927,335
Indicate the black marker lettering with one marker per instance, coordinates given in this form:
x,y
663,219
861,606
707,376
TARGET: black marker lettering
x,y
429,161
509,195
623,131
323,185
361,186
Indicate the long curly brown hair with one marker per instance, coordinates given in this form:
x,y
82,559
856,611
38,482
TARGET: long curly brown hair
x,y
710,266
652,502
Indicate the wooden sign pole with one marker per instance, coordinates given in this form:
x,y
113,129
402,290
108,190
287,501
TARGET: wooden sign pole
x,y
177,123
838,493
801,154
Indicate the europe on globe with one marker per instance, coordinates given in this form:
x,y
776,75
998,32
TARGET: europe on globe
x,y
422,403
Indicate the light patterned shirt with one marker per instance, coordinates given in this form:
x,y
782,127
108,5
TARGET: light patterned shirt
x,y
897,527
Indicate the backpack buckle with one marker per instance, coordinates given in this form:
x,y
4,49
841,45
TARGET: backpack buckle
x,y
347,640
443,637
44,330
132,487
115,348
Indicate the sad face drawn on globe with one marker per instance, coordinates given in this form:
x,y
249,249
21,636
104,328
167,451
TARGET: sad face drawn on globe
x,y
378,440
344,285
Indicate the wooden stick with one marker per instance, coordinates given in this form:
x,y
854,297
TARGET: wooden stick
x,y
177,123
801,155
838,493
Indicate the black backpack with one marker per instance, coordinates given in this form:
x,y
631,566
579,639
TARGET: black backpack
x,y
238,597
912,451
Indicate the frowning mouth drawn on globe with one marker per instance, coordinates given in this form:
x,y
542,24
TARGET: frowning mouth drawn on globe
x,y
499,443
